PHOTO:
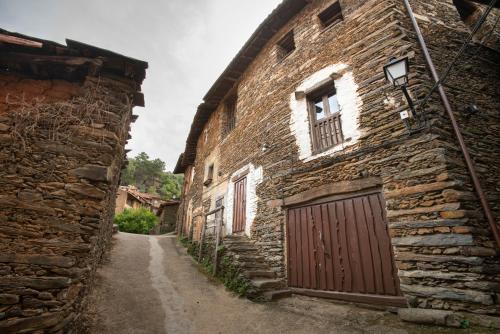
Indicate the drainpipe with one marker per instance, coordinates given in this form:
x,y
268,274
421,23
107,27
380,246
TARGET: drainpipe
x,y
456,129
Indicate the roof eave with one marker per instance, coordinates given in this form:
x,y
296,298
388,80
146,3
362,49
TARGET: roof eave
x,y
283,13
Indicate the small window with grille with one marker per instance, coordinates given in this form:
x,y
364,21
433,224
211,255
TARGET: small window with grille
x,y
229,115
331,14
324,115
286,45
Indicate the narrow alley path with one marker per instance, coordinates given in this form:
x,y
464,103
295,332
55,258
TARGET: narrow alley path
x,y
150,285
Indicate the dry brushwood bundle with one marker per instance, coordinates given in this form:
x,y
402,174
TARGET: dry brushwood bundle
x,y
59,121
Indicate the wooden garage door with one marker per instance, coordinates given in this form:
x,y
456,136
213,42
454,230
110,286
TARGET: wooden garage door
x,y
341,246
239,207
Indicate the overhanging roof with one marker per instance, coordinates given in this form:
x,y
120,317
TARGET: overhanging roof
x,y
73,61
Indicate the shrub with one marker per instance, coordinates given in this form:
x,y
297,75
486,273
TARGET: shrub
x,y
138,221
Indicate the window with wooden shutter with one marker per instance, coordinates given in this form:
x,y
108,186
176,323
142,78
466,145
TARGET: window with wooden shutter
x,y
324,115
210,175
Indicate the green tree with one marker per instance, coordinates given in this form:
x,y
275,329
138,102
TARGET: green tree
x,y
128,175
171,186
147,171
139,220
149,175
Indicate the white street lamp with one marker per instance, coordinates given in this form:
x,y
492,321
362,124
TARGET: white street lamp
x,y
396,72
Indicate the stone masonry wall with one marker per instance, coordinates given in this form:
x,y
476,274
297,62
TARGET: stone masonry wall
x,y
61,152
442,244
470,268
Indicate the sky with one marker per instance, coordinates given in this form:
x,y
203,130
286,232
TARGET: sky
x,y
187,43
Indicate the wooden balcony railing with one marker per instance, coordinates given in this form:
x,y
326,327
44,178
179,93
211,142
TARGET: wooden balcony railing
x,y
327,133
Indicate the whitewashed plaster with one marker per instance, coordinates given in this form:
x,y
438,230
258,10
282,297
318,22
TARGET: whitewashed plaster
x,y
349,101
254,177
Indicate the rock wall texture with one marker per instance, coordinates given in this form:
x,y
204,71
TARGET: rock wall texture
x,y
61,153
443,246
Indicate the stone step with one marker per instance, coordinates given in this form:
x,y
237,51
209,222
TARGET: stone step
x,y
260,273
266,283
237,238
251,266
249,257
241,248
237,242
276,294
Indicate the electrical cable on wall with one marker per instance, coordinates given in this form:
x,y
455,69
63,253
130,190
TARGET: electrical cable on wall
x,y
462,49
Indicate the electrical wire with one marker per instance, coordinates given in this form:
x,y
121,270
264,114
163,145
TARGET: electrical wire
x,y
464,46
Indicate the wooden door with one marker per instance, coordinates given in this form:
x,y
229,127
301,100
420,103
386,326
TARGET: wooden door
x,y
341,246
239,206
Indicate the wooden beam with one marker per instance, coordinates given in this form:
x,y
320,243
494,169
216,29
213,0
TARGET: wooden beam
x,y
138,99
337,188
19,41
34,58
394,301
202,237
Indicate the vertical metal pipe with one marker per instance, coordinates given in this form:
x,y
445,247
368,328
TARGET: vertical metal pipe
x,y
456,129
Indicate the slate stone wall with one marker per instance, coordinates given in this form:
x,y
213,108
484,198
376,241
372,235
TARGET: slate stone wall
x,y
443,246
463,275
61,152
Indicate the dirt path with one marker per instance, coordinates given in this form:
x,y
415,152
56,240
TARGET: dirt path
x,y
152,286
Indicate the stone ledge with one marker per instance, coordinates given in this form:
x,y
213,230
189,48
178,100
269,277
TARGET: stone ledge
x,y
448,293
436,274
421,188
406,256
27,325
428,223
38,283
96,133
93,172
420,210
8,299
448,239
48,260
424,316
85,190
447,318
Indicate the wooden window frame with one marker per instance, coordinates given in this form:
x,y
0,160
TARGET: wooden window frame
x,y
210,175
324,136
331,15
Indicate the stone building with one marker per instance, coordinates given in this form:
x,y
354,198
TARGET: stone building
x,y
167,217
131,197
324,188
65,113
